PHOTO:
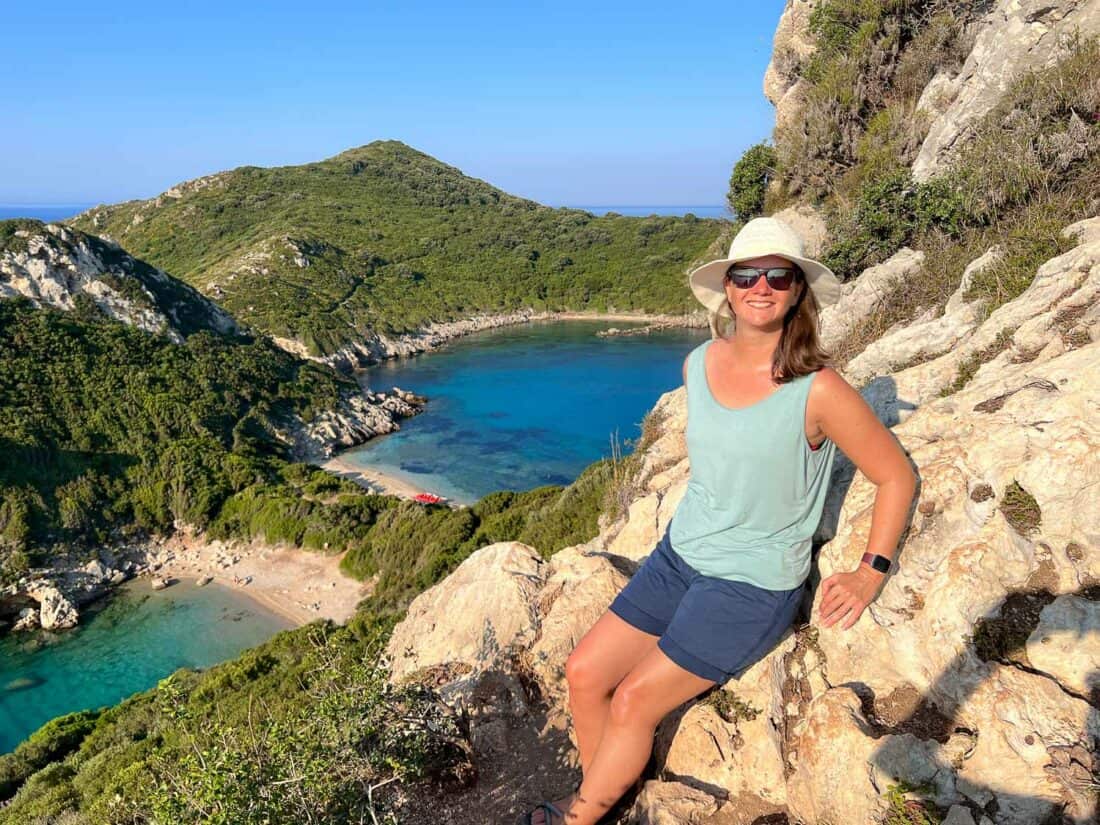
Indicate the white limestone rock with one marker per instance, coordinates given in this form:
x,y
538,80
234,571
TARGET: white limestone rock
x,y
53,265
56,612
27,620
792,46
1066,644
808,222
926,337
474,621
865,294
580,583
1014,36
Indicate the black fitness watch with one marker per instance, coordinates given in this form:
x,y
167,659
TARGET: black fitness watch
x,y
877,562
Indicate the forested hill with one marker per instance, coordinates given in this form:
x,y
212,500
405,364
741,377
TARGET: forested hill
x,y
383,238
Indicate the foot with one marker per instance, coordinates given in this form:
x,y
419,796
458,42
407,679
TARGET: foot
x,y
539,817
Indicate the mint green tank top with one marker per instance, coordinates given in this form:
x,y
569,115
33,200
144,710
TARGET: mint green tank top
x,y
757,488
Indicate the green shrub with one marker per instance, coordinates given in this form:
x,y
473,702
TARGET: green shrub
x,y
749,181
50,743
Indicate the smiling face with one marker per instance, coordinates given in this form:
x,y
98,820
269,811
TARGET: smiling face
x,y
760,305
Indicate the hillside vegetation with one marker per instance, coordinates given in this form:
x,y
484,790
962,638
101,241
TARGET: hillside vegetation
x,y
384,238
1027,169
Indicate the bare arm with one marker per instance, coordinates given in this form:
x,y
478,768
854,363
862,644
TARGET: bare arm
x,y
850,422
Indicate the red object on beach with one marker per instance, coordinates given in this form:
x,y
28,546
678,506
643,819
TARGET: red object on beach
x,y
427,498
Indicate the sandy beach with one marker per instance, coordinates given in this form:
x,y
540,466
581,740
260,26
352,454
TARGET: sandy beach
x,y
298,584
374,480
686,320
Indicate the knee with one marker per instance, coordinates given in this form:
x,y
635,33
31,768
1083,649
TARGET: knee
x,y
631,706
583,674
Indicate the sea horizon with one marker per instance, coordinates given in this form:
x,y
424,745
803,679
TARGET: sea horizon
x,y
61,211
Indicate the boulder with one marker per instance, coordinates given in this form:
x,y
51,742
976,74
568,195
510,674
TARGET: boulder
x,y
809,224
580,583
1066,644
674,803
27,620
862,297
473,622
56,612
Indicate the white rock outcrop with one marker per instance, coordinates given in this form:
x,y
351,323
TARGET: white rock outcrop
x,y
55,612
1014,36
53,265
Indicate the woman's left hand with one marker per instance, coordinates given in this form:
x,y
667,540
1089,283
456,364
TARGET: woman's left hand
x,y
847,594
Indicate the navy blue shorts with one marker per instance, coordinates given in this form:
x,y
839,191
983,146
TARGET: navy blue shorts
x,y
715,628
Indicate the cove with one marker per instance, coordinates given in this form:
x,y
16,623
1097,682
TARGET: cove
x,y
124,644
519,407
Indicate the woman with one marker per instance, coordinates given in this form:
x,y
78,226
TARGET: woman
x,y
765,417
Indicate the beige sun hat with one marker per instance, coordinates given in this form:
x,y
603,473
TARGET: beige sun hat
x,y
757,238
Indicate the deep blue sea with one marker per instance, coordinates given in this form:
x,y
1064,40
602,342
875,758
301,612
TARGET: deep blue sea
x,y
123,645
47,212
522,406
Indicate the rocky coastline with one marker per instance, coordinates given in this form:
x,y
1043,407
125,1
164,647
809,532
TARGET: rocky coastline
x,y
378,347
49,598
301,585
358,417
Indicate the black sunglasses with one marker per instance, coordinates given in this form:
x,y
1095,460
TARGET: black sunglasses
x,y
779,277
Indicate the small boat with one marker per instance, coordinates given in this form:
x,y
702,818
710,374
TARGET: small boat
x,y
427,498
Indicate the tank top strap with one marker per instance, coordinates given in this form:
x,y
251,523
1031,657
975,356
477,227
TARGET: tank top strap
x,y
696,371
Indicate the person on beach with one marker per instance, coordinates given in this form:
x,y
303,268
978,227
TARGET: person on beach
x,y
727,578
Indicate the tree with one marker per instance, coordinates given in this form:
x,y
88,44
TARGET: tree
x,y
749,181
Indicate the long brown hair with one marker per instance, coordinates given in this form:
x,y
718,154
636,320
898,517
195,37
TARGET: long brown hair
x,y
799,351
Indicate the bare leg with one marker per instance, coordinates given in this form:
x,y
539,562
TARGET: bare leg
x,y
599,662
654,687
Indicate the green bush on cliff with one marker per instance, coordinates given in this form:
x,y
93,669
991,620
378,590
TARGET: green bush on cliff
x,y
50,743
868,57
1019,175
298,728
749,181
1023,172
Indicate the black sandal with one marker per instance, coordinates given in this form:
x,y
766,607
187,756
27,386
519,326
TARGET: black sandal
x,y
551,810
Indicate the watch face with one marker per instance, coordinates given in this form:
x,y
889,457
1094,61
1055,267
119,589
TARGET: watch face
x,y
881,563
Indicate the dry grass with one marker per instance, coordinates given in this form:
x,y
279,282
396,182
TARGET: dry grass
x,y
626,471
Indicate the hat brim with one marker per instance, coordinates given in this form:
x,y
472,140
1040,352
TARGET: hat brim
x,y
706,282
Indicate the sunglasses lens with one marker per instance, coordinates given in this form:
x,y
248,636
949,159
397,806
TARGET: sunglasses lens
x,y
744,278
778,278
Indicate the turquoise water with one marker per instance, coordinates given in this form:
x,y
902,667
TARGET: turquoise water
x,y
512,408
125,645
522,406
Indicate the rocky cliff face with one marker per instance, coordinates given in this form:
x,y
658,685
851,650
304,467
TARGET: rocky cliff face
x,y
1010,38
974,676
56,266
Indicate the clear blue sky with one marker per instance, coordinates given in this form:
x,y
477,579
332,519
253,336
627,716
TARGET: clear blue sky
x,y
589,103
